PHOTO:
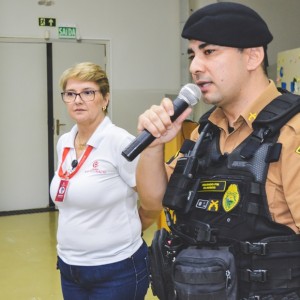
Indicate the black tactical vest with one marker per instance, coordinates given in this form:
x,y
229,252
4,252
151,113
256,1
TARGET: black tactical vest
x,y
220,200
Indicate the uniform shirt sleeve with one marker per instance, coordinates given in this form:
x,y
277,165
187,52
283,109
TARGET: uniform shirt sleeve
x,y
283,188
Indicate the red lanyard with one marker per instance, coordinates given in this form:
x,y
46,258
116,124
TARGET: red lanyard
x,y
66,174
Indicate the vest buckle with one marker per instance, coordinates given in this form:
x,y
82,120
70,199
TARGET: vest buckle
x,y
256,275
255,248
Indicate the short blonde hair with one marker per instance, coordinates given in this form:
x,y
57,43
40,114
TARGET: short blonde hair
x,y
86,71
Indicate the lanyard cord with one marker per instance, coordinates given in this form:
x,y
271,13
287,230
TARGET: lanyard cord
x,y
67,175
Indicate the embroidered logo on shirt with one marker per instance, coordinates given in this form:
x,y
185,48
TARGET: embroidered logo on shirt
x,y
231,198
95,164
96,168
298,150
252,116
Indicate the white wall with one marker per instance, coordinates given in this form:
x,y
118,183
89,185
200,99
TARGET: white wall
x,y
144,41
148,57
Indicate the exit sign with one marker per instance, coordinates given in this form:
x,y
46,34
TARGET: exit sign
x,y
50,22
67,32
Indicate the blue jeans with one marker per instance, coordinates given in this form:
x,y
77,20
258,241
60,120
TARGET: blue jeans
x,y
124,280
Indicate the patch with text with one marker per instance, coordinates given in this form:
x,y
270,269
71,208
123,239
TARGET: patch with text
x,y
212,186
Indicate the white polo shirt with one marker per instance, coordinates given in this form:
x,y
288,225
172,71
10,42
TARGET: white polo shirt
x,y
98,220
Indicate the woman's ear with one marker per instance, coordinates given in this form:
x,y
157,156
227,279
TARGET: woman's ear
x,y
106,98
255,57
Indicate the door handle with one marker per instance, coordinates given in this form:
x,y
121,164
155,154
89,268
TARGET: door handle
x,y
58,124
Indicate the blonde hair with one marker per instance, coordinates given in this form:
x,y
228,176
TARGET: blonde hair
x,y
86,71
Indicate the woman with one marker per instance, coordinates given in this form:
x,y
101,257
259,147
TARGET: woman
x,y
101,254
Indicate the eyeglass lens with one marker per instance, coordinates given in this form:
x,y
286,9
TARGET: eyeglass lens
x,y
85,96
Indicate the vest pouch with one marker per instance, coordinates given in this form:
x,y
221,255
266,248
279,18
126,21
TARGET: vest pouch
x,y
161,265
205,274
179,185
180,193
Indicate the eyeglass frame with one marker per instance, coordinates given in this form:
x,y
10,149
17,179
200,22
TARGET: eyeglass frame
x,y
79,94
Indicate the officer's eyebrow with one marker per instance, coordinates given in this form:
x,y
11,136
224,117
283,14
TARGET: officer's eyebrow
x,y
201,46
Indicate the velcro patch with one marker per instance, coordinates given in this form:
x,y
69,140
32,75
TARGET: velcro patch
x,y
212,186
208,205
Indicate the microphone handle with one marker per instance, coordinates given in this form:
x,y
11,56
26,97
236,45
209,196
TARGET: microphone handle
x,y
142,141
145,138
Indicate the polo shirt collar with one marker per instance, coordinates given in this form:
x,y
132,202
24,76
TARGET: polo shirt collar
x,y
96,136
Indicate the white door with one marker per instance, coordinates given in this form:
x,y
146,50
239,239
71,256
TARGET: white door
x,y
24,180
65,55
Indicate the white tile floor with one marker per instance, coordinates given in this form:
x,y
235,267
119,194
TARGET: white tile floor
x,y
28,257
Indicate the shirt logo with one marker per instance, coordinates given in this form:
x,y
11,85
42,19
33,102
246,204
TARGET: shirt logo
x,y
96,168
231,198
95,164
252,116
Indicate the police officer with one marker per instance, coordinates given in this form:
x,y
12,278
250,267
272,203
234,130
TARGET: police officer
x,y
247,174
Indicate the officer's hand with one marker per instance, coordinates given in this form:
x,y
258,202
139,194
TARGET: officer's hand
x,y
157,121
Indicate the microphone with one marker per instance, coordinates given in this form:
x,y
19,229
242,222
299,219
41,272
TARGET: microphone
x,y
189,95
74,163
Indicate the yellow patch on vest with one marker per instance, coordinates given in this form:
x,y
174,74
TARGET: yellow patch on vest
x,y
298,150
213,205
231,198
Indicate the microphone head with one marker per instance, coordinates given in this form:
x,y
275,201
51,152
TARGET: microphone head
x,y
190,93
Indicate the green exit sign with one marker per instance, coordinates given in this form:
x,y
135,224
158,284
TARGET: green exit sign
x,y
50,22
67,32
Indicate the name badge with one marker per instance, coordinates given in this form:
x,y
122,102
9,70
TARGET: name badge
x,y
62,189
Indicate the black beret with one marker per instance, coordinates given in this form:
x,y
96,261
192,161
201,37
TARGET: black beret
x,y
227,24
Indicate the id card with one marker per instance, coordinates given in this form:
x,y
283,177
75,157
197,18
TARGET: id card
x,y
60,196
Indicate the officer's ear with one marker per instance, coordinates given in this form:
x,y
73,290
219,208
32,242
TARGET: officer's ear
x,y
255,57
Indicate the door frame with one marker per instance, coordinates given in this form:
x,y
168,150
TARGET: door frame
x,y
51,125
49,74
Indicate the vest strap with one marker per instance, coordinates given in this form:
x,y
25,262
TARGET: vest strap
x,y
195,232
262,276
256,139
290,296
262,248
254,248
253,275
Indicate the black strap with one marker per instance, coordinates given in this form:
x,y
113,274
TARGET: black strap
x,y
265,248
269,122
254,141
187,146
260,275
278,112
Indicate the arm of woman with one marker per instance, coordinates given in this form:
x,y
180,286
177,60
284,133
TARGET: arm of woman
x,y
148,217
